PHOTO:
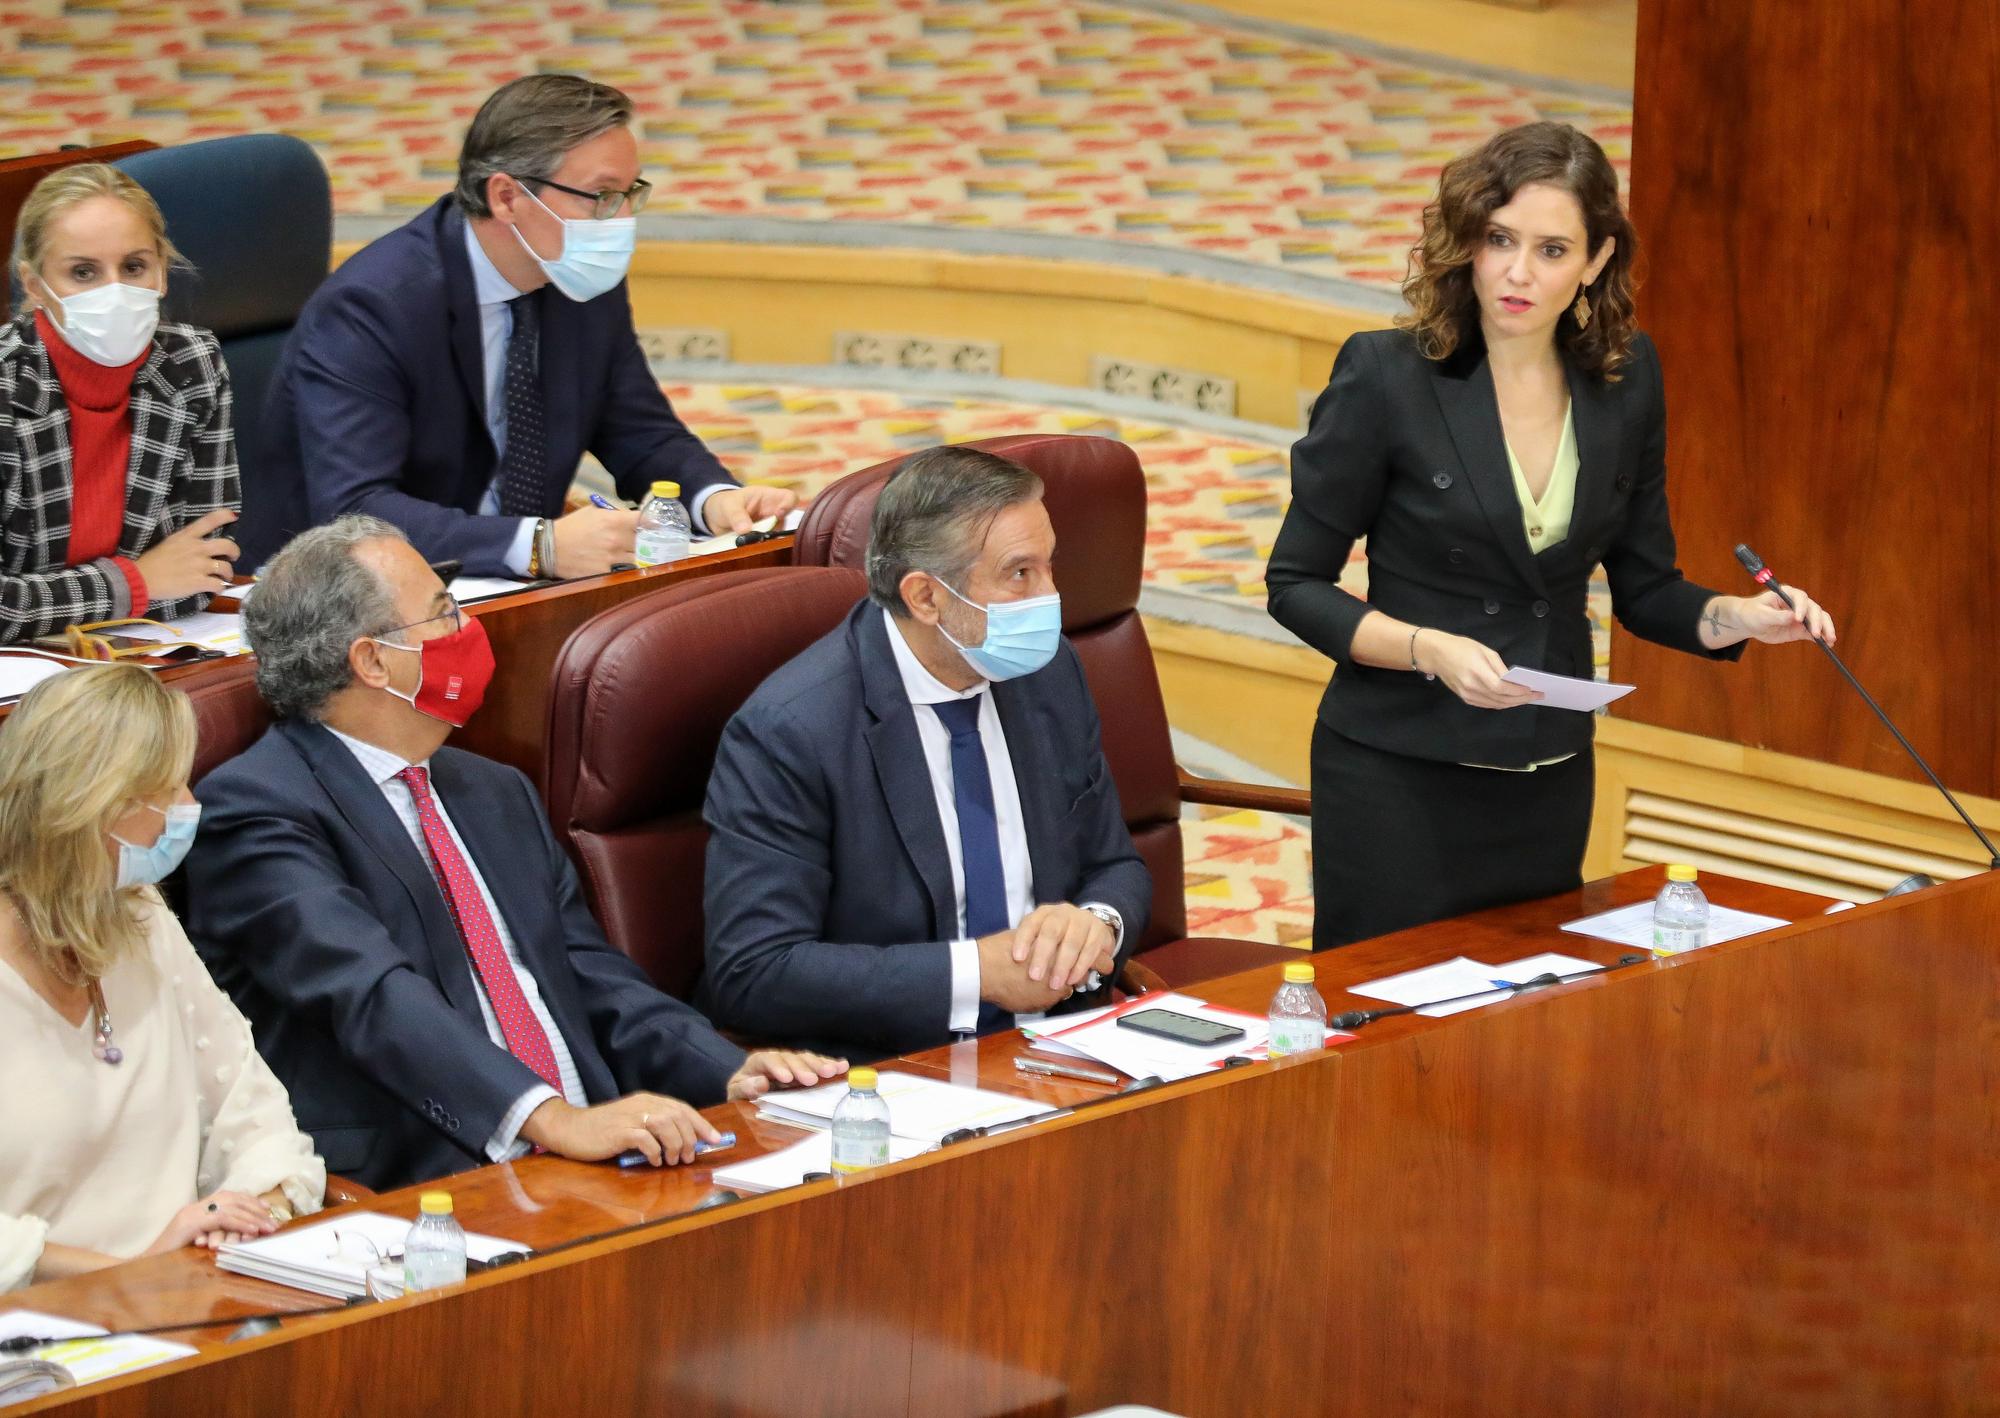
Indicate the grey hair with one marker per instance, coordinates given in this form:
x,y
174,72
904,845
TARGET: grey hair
x,y
528,126
311,603
933,513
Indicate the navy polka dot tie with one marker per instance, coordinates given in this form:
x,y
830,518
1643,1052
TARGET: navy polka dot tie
x,y
524,471
525,1037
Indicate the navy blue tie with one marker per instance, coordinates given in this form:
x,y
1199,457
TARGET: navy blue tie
x,y
978,835
524,462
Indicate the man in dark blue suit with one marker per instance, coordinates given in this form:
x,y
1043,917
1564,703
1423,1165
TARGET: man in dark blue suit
x,y
914,833
396,919
449,376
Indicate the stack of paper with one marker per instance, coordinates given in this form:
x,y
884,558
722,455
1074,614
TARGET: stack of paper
x,y
921,1109
469,590
1472,979
22,670
335,1258
788,1166
1633,925
1139,1055
85,1350
211,630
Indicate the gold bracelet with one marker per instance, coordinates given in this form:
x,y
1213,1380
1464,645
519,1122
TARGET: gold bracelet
x,y
535,549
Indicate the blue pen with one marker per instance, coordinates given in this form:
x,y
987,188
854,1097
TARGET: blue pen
x,y
597,501
638,1159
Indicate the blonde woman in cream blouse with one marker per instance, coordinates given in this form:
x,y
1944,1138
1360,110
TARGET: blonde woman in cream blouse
x,y
140,1117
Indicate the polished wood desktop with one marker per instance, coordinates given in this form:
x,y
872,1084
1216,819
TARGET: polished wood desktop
x,y
1755,1179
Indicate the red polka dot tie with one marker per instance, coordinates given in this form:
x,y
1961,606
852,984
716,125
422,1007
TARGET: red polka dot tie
x,y
523,1032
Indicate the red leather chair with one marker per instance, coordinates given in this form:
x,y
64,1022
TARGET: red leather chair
x,y
1096,496
637,705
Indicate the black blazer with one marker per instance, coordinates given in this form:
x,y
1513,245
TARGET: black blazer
x,y
379,404
315,911
829,900
1409,453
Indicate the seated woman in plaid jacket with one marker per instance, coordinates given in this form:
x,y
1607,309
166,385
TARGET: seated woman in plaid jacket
x,y
117,458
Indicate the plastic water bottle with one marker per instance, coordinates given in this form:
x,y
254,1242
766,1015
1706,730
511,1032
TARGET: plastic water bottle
x,y
663,527
1298,1014
860,1125
434,1251
1680,914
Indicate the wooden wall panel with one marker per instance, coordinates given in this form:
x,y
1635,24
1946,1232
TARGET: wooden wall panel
x,y
1816,192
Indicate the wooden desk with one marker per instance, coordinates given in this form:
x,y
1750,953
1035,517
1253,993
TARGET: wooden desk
x,y
1756,1179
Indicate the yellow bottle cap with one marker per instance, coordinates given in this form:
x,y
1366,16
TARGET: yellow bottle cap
x,y
435,1203
666,489
1681,871
1299,972
861,1078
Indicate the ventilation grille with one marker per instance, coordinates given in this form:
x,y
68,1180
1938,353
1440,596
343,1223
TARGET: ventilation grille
x,y
1662,829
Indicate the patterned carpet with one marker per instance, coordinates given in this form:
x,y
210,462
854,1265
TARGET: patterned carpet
x,y
1096,121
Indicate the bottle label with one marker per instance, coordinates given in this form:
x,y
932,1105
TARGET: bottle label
x,y
857,1154
1296,1036
1678,940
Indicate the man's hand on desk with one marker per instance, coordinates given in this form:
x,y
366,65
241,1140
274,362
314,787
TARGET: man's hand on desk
x,y
591,539
781,1068
1004,981
1062,944
734,509
663,1128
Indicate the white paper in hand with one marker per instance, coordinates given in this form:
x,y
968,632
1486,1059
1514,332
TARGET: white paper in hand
x,y
1562,692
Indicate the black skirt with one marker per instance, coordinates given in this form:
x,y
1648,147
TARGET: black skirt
x,y
1400,841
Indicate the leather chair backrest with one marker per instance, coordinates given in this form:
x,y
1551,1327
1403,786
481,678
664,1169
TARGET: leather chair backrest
x,y
254,215
637,705
1095,492
229,715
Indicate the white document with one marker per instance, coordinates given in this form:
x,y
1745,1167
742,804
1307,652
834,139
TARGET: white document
x,y
212,630
1633,925
921,1109
1141,1055
468,590
333,1258
86,1351
1446,981
1563,692
1519,972
22,670
1040,1034
788,1166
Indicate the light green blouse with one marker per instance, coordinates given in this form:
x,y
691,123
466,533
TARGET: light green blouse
x,y
1547,521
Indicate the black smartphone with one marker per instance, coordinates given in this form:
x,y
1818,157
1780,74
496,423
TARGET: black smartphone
x,y
1181,1028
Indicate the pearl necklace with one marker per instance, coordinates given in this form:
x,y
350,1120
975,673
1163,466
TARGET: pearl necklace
x,y
101,1045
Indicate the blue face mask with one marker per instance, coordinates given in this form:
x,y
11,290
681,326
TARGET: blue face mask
x,y
1021,636
147,866
595,254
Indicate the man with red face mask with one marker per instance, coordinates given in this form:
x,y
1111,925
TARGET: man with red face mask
x,y
396,919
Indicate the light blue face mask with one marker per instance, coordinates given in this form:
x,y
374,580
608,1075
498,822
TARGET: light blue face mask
x,y
595,254
1021,636
147,866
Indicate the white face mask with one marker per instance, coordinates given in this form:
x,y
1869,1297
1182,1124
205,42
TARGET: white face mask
x,y
595,254
109,324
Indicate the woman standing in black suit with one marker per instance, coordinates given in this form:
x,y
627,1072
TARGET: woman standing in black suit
x,y
1505,440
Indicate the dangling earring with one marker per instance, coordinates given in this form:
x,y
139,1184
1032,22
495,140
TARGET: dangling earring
x,y
1581,310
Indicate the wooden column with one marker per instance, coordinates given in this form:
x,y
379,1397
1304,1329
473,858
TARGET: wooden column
x,y
1817,194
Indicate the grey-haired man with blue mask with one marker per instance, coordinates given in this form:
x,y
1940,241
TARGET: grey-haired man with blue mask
x,y
914,832
449,376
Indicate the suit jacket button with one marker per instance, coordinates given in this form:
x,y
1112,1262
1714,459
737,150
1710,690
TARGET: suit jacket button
x,y
1541,608
1623,482
1492,606
1441,478
1456,556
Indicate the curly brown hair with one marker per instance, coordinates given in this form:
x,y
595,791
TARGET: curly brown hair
x,y
1443,314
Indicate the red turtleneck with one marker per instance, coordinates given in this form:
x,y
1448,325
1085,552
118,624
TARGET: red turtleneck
x,y
100,444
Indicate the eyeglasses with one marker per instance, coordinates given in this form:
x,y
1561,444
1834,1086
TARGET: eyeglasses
x,y
608,203
456,615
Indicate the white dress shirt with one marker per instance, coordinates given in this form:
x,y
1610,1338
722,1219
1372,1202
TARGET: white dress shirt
x,y
496,326
925,690
382,766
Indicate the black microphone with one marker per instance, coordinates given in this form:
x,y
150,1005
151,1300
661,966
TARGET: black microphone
x,y
1762,575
